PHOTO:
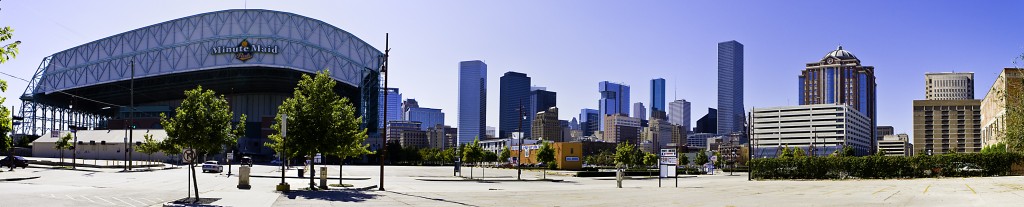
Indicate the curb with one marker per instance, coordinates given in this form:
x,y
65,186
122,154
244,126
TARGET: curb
x,y
19,179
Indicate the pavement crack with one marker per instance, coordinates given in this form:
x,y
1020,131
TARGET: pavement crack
x,y
890,196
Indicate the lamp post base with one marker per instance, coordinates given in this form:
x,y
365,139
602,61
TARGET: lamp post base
x,y
283,187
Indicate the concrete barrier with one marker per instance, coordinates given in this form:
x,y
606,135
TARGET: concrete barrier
x,y
243,177
323,178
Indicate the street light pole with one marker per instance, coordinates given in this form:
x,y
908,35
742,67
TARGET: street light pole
x,y
384,142
519,161
284,139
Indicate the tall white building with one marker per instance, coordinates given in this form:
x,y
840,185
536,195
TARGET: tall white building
x,y
679,113
472,100
949,86
822,128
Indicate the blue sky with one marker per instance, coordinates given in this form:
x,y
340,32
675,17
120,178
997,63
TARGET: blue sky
x,y
569,46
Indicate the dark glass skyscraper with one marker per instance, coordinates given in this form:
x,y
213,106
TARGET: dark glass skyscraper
x,y
472,100
514,90
658,99
590,121
540,100
614,99
730,87
839,78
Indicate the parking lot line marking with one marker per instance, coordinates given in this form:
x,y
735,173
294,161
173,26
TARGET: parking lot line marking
x,y
122,201
69,197
105,200
149,200
926,188
972,189
137,201
87,198
880,190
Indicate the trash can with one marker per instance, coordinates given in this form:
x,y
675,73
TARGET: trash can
x,y
243,178
302,173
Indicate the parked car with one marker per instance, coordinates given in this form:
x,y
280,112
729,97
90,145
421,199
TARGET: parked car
x,y
18,161
212,166
275,162
246,160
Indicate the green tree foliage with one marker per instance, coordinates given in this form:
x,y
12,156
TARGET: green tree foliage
x,y
702,157
319,121
799,152
994,148
847,151
546,154
650,159
202,122
504,155
490,156
786,152
472,153
602,158
628,154
63,143
149,146
7,52
683,160
884,167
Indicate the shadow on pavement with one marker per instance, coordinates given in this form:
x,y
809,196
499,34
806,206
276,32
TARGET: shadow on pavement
x,y
346,195
433,199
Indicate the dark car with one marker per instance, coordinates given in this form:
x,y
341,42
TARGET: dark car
x,y
18,161
246,160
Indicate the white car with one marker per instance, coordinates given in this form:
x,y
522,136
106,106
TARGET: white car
x,y
212,166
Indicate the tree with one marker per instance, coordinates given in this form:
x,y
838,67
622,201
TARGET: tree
x,y
626,153
786,152
683,160
798,152
881,153
202,122
994,148
847,151
319,121
149,146
650,159
504,155
7,52
490,156
702,158
63,143
546,154
472,153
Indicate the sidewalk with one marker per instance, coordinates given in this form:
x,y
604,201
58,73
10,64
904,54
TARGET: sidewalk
x,y
92,163
17,175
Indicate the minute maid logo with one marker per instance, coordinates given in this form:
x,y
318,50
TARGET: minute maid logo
x,y
244,51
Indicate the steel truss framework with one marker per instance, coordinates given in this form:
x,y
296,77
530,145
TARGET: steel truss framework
x,y
185,45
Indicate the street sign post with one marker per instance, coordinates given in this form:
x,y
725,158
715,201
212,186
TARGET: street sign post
x,y
188,156
667,165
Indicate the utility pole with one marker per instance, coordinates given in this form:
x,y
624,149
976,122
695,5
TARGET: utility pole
x,y
384,137
519,163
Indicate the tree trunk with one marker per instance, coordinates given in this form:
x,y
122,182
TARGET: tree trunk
x,y
195,183
341,169
544,176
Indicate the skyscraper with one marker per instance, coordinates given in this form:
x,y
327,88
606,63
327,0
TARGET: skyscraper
x,y
406,105
590,121
679,113
394,106
839,78
540,100
949,86
730,87
472,100
639,111
514,92
614,99
658,98
708,123
427,117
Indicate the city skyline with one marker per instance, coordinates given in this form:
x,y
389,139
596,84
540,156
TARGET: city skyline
x,y
906,53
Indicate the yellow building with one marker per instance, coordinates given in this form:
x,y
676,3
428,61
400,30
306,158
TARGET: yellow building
x,y
1006,89
568,155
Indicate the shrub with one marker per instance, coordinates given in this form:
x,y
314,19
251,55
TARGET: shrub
x,y
883,167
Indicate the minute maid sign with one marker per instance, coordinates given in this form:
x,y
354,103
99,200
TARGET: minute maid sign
x,y
244,51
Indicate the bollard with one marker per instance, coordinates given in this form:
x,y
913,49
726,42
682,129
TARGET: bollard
x,y
243,177
323,178
618,175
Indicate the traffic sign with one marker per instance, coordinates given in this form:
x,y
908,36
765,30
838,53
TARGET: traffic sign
x,y
714,158
317,159
231,156
668,152
188,155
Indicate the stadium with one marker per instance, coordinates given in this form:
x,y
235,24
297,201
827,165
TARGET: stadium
x,y
252,57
